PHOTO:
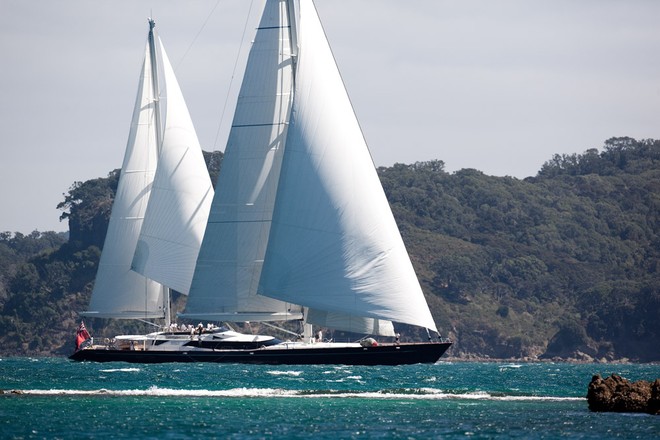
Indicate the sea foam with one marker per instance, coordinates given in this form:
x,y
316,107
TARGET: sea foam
x,y
400,394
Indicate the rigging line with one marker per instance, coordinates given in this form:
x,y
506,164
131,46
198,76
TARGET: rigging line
x,y
233,74
208,17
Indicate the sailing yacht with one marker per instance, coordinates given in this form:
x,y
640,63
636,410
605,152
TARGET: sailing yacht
x,y
299,229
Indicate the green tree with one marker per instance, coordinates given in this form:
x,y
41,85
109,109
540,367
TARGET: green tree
x,y
87,207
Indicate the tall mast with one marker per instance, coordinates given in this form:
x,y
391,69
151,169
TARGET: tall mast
x,y
159,138
167,306
154,82
293,33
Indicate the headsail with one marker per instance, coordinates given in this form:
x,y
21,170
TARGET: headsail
x,y
118,291
334,244
180,199
350,323
230,259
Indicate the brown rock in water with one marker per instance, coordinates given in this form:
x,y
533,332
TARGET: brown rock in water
x,y
617,394
654,403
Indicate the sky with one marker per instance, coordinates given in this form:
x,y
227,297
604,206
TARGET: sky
x,y
499,86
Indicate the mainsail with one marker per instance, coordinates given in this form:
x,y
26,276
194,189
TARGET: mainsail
x,y
229,264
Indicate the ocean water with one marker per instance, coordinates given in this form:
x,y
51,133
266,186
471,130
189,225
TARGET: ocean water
x,y
56,398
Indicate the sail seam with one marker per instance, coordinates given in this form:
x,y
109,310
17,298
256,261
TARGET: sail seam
x,y
273,27
258,125
237,221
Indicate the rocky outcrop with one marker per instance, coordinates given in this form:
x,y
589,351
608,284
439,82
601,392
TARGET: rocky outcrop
x,y
617,394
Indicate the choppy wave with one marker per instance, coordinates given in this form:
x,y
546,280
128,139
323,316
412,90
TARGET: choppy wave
x,y
405,394
284,373
120,370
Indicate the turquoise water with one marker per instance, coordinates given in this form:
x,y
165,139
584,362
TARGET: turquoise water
x,y
62,399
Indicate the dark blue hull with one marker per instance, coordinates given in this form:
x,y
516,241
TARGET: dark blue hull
x,y
388,354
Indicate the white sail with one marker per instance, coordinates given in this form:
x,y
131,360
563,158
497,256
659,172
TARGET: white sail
x,y
231,256
350,323
118,291
180,200
334,244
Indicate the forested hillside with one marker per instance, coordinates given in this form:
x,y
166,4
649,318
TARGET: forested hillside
x,y
563,264
560,265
